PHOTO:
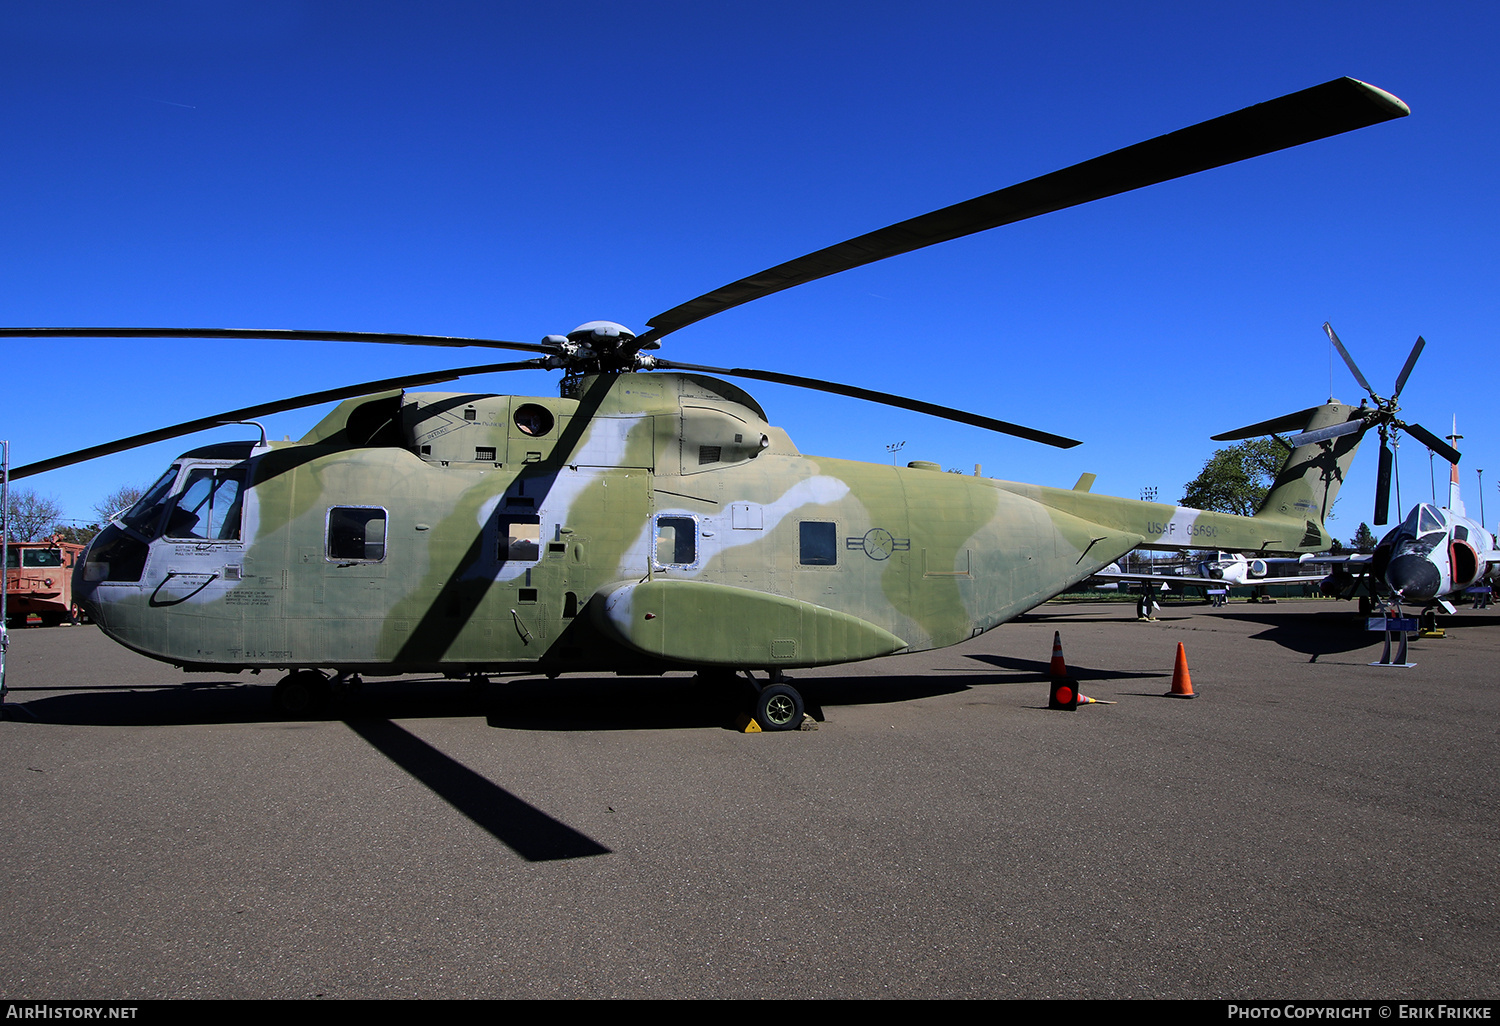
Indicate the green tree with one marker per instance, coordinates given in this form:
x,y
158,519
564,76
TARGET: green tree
x,y
1363,540
1236,478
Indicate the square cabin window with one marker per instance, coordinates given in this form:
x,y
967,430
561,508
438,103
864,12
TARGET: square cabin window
x,y
356,534
676,541
818,543
520,539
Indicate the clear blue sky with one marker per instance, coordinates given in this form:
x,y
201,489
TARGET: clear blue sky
x,y
510,170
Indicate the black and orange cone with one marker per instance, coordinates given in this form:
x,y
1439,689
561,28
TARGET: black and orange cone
x,y
1058,667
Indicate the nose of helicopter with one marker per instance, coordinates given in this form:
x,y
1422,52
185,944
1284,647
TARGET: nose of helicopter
x,y
1413,576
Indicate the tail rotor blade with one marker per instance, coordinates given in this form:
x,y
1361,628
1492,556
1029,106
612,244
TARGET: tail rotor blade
x,y
1433,442
1324,434
1383,486
1353,367
1411,361
1276,425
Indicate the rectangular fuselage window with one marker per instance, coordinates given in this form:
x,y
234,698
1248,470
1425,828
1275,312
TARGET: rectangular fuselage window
x,y
676,541
818,543
356,534
520,539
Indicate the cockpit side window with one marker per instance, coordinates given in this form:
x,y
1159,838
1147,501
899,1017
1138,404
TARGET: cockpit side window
x,y
145,516
209,507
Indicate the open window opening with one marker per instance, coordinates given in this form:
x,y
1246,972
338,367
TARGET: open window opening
x,y
676,541
520,538
356,534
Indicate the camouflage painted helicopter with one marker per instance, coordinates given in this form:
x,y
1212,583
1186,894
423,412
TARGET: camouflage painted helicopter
x,y
644,522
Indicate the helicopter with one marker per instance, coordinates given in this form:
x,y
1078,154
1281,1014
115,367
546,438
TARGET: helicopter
x,y
650,517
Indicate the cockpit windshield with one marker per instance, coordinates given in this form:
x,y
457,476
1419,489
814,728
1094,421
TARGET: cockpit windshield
x,y
209,506
206,508
1430,520
1424,520
144,516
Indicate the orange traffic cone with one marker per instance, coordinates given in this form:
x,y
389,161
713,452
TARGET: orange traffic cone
x,y
1182,681
1064,694
1058,667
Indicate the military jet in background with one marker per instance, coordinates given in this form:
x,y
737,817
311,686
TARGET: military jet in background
x,y
1430,558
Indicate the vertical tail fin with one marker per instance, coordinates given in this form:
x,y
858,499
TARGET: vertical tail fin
x,y
1310,479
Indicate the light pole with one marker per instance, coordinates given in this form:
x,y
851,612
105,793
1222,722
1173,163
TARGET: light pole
x,y
894,448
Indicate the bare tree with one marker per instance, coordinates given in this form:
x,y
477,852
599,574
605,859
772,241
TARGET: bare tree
x,y
122,498
31,516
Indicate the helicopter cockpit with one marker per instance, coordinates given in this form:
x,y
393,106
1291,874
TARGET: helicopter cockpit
x,y
198,500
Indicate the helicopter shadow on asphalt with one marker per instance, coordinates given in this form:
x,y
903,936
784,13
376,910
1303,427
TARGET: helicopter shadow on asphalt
x,y
1040,671
527,830
516,704
522,702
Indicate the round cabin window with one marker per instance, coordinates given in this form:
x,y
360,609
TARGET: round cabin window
x,y
533,420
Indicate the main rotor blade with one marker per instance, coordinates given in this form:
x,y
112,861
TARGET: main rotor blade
x,y
1274,426
1411,361
1328,109
1353,367
1433,442
278,335
885,398
264,410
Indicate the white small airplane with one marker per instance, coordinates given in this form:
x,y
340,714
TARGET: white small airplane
x,y
1226,570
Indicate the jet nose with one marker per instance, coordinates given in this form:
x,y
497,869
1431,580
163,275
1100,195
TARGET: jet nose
x,y
1413,576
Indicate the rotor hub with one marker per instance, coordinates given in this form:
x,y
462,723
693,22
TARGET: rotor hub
x,y
595,347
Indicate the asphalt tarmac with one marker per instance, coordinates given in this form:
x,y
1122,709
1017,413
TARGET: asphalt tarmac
x,y
1308,827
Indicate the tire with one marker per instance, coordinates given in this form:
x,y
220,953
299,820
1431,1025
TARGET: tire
x,y
778,707
302,695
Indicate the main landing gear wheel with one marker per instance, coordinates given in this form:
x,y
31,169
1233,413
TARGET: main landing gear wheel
x,y
778,707
302,694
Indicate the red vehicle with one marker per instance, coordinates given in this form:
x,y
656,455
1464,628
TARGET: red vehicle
x,y
39,579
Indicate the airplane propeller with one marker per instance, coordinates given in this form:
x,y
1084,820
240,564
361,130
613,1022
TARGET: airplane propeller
x,y
1332,108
